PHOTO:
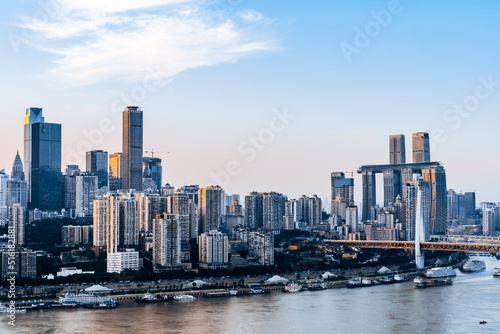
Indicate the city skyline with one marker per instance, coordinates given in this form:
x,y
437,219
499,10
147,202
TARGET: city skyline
x,y
214,120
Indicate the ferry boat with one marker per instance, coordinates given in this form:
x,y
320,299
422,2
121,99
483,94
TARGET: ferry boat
x,y
400,279
496,272
293,287
421,284
440,272
257,290
354,283
106,305
150,298
473,266
5,309
84,299
185,297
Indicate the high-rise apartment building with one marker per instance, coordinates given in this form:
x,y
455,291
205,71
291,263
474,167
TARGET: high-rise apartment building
x,y
167,253
97,164
209,208
132,148
397,147
214,250
273,209
254,210
4,178
421,147
17,220
180,207
418,185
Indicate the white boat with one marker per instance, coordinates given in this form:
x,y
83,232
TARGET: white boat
x,y
84,299
400,279
496,272
293,287
473,266
184,297
440,272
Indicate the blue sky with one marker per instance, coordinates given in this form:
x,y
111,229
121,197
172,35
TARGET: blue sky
x,y
222,69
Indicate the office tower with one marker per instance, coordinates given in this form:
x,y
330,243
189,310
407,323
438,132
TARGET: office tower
x,y
214,250
209,208
392,186
342,193
132,148
152,167
273,208
149,207
413,189
167,252
397,147
470,205
86,193
72,171
115,172
179,206
97,164
42,162
17,219
421,147
4,178
461,206
254,210
436,176
452,203
351,219
369,193
16,187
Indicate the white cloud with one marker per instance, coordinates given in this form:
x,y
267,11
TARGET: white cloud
x,y
96,43
251,15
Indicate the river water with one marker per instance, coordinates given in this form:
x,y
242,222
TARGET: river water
x,y
397,308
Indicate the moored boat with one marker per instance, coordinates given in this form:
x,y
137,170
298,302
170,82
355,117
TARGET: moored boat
x,y
420,283
440,272
150,298
473,266
354,283
293,287
496,272
185,297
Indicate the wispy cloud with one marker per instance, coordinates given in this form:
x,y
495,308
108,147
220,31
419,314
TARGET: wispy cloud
x,y
251,15
99,40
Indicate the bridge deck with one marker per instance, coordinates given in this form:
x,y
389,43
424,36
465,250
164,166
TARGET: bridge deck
x,y
434,246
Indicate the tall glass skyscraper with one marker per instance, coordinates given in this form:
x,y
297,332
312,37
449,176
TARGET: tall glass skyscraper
x,y
132,148
42,162
152,167
97,164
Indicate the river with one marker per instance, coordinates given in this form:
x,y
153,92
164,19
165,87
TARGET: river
x,y
397,308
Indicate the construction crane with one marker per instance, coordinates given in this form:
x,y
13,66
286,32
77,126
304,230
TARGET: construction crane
x,y
153,152
351,172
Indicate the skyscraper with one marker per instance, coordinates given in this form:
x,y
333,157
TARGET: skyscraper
x,y
413,189
97,164
179,206
421,147
152,167
17,219
115,172
273,207
132,148
4,178
42,162
209,208
253,210
86,193
470,205
397,147
436,176
167,242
